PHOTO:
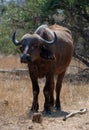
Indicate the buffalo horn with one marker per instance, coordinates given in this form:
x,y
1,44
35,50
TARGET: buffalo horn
x,y
50,42
17,43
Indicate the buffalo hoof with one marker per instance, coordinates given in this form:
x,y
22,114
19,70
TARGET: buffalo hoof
x,y
45,112
34,108
57,108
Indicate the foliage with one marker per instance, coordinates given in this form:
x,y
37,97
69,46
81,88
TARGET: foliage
x,y
26,17
22,18
77,20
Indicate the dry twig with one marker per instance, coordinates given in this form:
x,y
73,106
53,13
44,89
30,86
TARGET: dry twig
x,y
81,111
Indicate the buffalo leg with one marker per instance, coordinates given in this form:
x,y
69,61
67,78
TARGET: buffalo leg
x,y
35,86
58,90
48,94
52,94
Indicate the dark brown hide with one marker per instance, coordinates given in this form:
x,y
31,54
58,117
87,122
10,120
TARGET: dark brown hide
x,y
62,50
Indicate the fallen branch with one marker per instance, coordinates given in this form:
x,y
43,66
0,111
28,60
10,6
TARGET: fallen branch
x,y
81,111
18,71
82,59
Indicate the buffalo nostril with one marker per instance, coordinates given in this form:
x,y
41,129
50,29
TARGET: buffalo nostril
x,y
23,58
28,55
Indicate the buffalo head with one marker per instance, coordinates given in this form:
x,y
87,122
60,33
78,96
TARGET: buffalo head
x,y
33,46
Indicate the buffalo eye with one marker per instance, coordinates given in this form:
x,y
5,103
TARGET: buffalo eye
x,y
33,47
21,48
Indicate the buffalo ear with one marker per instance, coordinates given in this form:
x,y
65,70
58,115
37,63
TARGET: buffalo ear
x,y
47,54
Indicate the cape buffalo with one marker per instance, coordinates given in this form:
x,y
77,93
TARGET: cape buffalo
x,y
48,52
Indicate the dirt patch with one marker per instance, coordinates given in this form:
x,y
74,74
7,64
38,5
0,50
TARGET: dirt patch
x,y
16,100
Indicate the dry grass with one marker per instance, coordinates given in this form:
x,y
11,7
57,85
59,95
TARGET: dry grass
x,y
18,94
16,99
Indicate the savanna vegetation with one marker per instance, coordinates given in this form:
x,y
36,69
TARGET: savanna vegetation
x,y
29,14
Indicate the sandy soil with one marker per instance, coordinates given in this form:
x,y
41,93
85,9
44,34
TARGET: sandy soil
x,y
16,99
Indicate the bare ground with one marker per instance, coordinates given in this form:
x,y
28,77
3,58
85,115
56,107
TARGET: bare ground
x,y
16,99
